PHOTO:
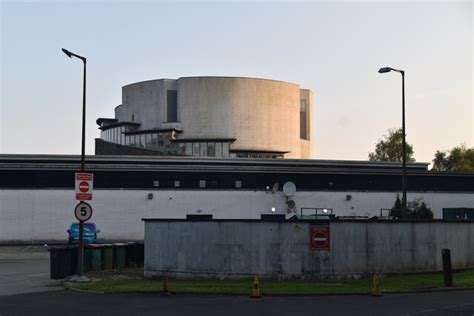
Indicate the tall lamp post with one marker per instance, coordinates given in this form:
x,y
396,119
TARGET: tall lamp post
x,y
79,277
404,154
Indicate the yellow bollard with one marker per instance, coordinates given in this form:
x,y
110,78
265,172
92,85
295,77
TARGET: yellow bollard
x,y
376,286
256,288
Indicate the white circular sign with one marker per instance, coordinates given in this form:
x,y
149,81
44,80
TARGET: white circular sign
x,y
83,212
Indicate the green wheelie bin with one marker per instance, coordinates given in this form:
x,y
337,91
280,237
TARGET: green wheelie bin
x,y
107,256
120,255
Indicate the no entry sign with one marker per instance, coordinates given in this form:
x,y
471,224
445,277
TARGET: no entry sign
x,y
319,237
84,186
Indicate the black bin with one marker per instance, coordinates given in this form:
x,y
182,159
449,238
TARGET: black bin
x,y
61,262
135,254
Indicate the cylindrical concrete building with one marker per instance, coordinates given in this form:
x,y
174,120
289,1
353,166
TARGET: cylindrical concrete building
x,y
211,117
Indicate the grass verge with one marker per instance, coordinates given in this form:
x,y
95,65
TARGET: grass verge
x,y
130,280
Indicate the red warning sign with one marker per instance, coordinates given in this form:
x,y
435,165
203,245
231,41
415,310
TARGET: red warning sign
x,y
319,238
84,186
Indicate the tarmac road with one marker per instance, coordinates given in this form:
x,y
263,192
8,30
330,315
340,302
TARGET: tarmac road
x,y
70,302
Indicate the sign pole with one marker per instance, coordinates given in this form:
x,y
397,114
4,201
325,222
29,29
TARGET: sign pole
x,y
83,213
80,255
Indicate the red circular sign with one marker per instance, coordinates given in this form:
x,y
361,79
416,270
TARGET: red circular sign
x,y
84,186
320,239
83,212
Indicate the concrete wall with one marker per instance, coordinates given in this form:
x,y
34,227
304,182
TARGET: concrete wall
x,y
277,249
32,215
261,114
146,101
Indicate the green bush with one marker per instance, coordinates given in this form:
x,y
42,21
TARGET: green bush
x,y
415,209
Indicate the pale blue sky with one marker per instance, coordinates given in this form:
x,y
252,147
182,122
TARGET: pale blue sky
x,y
334,49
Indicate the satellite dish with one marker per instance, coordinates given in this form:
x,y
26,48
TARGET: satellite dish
x,y
275,187
289,188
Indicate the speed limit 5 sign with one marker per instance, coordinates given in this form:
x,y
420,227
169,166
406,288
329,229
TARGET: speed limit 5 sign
x,y
83,212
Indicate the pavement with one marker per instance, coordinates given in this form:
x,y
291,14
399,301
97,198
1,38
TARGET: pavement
x,y
25,269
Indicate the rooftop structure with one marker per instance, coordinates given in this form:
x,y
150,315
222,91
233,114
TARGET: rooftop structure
x,y
210,117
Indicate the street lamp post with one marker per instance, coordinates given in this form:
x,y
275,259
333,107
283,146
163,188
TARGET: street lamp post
x,y
404,154
80,255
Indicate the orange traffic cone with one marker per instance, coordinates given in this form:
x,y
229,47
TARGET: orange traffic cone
x,y
165,291
256,288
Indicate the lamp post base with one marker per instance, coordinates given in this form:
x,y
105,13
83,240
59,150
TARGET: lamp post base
x,y
79,279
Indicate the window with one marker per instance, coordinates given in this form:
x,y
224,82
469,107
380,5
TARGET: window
x,y
133,117
127,140
225,150
203,148
218,149
303,120
238,184
189,149
202,183
172,106
211,150
154,140
148,143
156,183
195,149
177,184
182,148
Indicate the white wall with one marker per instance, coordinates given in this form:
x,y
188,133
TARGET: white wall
x,y
35,215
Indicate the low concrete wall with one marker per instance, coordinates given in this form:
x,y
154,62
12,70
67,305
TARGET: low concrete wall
x,y
281,249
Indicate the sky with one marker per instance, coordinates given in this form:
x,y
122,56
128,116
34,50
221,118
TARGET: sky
x,y
332,48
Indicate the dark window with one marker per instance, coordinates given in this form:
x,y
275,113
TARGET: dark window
x,y
458,213
172,112
303,120
211,150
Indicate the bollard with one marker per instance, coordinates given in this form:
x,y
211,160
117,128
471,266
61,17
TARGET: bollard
x,y
256,288
376,285
447,272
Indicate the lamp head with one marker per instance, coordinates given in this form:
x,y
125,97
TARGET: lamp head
x,y
68,53
384,70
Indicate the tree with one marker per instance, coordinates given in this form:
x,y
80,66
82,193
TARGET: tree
x,y
415,209
389,148
459,158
